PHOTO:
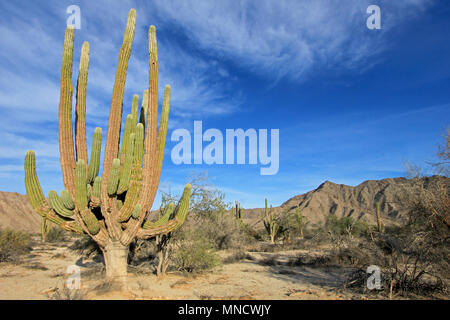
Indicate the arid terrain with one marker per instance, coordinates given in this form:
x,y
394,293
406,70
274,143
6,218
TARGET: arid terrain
x,y
325,264
262,275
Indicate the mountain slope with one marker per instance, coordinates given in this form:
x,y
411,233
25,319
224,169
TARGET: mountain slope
x,y
358,202
16,213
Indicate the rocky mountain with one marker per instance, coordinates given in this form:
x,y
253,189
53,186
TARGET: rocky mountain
x,y
16,213
358,202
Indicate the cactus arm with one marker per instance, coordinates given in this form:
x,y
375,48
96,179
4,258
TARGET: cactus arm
x,y
96,190
144,109
134,111
65,114
67,200
169,210
149,166
126,136
109,209
173,224
45,228
37,199
113,180
161,142
94,165
58,205
80,111
152,174
33,187
136,176
125,173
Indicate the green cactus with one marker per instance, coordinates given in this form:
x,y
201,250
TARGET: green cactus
x,y
67,200
58,205
111,209
96,193
144,109
125,173
270,224
238,211
380,224
300,220
134,112
94,165
113,180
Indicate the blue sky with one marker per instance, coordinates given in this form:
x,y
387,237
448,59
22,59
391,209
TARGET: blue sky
x,y
351,103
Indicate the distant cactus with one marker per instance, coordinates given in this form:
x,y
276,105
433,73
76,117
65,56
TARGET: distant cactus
x,y
380,224
238,211
111,209
300,220
270,224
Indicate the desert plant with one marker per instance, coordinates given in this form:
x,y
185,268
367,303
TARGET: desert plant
x,y
13,244
270,223
164,247
55,234
238,211
196,255
380,224
111,209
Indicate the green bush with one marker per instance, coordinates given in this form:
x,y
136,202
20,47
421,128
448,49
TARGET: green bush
x,y
196,256
346,226
13,244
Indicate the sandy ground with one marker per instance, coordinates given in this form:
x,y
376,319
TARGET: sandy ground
x,y
42,275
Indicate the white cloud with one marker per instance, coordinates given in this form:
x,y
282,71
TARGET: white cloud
x,y
287,38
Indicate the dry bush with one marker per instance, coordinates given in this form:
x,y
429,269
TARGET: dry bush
x,y
416,257
13,244
56,235
237,257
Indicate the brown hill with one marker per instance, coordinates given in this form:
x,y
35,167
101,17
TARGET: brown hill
x,y
329,198
346,201
16,213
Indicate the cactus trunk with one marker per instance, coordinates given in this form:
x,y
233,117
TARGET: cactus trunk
x,y
116,255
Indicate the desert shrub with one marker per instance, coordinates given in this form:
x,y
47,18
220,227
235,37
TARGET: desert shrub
x,y
56,234
345,226
13,244
237,256
86,247
196,256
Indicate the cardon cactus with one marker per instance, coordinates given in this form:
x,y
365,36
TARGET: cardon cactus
x,y
270,224
380,225
238,211
111,209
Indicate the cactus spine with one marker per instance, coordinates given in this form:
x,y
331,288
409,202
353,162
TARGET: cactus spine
x,y
130,177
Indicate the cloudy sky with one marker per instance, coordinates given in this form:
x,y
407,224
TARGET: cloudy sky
x,y
350,103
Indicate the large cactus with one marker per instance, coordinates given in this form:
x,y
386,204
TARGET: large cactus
x,y
111,209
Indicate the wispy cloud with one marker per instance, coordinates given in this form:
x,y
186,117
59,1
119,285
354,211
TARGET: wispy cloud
x,y
288,37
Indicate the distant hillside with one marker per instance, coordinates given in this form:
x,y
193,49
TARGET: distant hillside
x,y
356,202
16,213
329,198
